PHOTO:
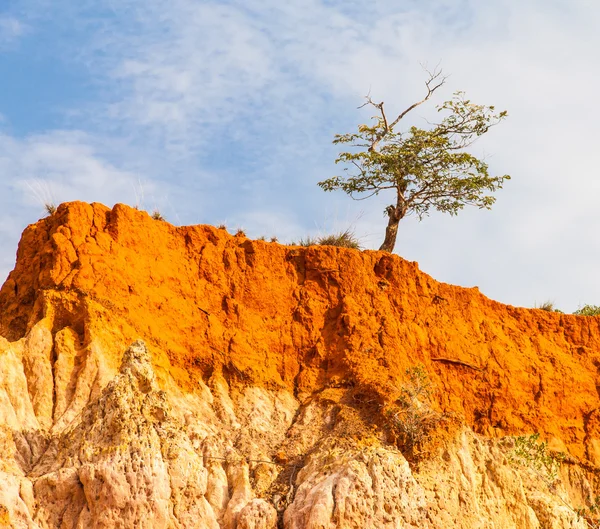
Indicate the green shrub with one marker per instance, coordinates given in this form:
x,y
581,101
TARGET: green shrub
x,y
588,310
411,416
531,452
156,215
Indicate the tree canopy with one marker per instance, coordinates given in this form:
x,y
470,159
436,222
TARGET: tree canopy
x,y
424,168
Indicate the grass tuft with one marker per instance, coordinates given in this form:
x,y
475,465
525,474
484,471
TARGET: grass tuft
x,y
156,215
343,239
548,306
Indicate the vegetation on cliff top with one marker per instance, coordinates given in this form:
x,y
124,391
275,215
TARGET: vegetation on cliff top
x,y
425,168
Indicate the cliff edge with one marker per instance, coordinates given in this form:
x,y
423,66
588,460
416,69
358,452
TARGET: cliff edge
x,y
258,396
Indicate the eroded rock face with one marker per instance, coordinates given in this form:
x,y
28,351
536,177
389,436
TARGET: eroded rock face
x,y
255,399
139,456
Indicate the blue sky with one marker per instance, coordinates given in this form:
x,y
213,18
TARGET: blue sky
x,y
224,111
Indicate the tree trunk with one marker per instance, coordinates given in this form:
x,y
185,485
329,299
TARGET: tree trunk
x,y
395,215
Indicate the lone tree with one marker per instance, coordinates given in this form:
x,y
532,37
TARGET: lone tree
x,y
425,168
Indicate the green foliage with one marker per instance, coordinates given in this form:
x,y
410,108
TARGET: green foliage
x,y
588,310
428,167
412,417
425,168
533,453
590,514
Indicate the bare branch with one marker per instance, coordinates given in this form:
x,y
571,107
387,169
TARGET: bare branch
x,y
435,81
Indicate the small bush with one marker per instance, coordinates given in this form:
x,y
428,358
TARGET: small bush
x,y
588,310
412,417
529,451
156,215
222,227
274,239
240,233
50,208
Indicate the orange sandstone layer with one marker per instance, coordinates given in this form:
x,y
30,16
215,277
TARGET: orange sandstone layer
x,y
305,319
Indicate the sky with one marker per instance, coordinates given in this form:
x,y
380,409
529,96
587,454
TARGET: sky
x,y
224,112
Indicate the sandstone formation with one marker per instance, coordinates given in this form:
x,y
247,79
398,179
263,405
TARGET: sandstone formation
x,y
156,376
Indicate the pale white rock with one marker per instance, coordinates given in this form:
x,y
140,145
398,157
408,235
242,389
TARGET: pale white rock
x,y
38,371
63,498
217,490
69,357
374,488
238,477
14,510
16,408
258,514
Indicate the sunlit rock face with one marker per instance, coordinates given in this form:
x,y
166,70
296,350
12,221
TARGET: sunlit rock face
x,y
180,377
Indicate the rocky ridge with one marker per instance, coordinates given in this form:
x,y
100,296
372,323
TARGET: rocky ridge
x,y
257,397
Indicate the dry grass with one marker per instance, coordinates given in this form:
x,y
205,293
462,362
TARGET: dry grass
x,y
343,239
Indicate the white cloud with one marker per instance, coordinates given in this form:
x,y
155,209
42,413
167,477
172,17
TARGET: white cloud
x,y
10,30
69,166
52,168
229,108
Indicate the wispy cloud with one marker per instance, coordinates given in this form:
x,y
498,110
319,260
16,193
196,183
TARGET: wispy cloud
x,y
227,110
52,168
10,30
68,164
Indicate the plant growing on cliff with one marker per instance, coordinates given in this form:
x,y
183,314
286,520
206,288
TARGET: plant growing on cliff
x,y
530,452
157,215
588,310
412,416
343,239
533,453
423,168
42,192
548,306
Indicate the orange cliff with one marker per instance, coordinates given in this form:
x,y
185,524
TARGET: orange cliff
x,y
303,319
